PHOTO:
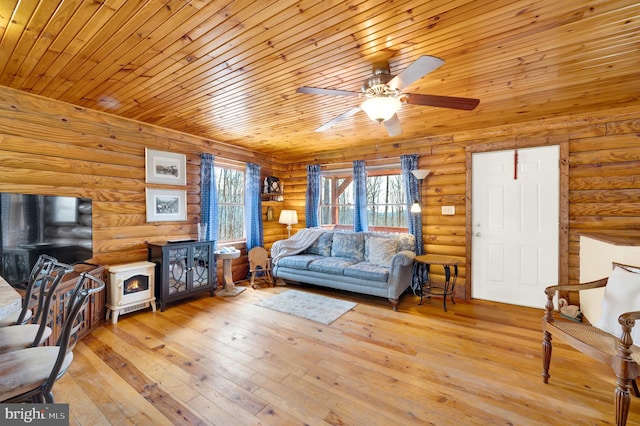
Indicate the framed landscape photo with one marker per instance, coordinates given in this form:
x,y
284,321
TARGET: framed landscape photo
x,y
165,167
166,205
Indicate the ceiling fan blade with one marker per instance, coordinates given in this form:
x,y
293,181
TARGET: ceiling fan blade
x,y
421,67
338,119
319,91
394,128
442,101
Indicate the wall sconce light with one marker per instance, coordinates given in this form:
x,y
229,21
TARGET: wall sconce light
x,y
420,174
288,217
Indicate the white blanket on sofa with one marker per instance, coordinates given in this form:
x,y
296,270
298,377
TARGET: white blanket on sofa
x,y
298,243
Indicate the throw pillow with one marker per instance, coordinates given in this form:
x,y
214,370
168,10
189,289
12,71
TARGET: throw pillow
x,y
348,244
381,250
622,294
321,246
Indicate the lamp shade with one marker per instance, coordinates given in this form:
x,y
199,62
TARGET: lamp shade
x,y
415,207
381,108
288,217
421,173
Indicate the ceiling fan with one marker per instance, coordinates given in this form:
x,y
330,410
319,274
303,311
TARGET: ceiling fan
x,y
384,97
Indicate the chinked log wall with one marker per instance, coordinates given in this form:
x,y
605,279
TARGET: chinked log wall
x,y
603,156
53,148
50,147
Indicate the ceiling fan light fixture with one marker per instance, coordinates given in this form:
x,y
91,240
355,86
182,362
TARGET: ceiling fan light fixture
x,y
381,108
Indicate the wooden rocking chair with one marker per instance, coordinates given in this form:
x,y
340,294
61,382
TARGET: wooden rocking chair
x,y
260,263
618,352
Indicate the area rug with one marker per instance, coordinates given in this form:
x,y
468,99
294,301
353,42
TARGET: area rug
x,y
311,306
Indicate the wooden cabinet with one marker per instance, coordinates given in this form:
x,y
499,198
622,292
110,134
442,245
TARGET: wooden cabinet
x,y
183,269
93,313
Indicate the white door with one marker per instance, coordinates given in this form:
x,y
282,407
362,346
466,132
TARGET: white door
x,y
515,211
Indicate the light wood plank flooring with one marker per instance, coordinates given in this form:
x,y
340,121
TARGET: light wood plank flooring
x,y
226,361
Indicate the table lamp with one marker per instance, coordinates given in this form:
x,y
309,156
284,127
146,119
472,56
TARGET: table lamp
x,y
288,217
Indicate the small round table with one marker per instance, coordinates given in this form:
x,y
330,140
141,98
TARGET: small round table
x,y
424,288
229,288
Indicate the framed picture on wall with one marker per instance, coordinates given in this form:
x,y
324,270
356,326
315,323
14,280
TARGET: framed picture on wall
x,y
272,185
166,205
165,167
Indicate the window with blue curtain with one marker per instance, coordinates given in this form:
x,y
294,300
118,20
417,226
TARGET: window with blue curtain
x,y
253,207
312,207
385,199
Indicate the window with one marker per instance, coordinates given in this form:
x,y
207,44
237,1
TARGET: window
x,y
336,201
386,202
230,184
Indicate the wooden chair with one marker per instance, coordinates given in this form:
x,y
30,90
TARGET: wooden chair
x,y
260,264
34,293
618,352
41,297
28,375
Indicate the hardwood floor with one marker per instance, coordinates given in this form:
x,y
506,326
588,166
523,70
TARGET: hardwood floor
x,y
226,361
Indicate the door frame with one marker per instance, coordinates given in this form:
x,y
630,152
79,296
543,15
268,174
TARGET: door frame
x,y
563,202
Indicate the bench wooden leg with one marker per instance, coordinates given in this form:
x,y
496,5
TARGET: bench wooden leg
x,y
546,356
622,401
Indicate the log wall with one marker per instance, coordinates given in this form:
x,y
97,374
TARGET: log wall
x,y
53,148
600,180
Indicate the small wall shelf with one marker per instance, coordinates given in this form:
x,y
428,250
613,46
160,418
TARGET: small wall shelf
x,y
273,196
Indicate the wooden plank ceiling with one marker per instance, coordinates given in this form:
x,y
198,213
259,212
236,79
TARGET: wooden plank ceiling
x,y
228,70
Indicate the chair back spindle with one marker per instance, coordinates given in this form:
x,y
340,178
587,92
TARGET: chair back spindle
x,y
50,278
86,286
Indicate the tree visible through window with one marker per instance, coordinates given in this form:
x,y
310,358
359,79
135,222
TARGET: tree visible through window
x,y
230,184
386,203
336,200
386,206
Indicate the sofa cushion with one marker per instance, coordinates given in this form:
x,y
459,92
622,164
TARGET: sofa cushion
x,y
380,250
332,265
405,241
322,246
348,244
367,271
299,261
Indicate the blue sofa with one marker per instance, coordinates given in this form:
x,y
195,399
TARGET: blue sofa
x,y
378,264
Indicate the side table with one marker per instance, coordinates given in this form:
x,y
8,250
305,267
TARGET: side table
x,y
424,288
229,288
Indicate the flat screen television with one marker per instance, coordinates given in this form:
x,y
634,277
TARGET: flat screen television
x,y
31,225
